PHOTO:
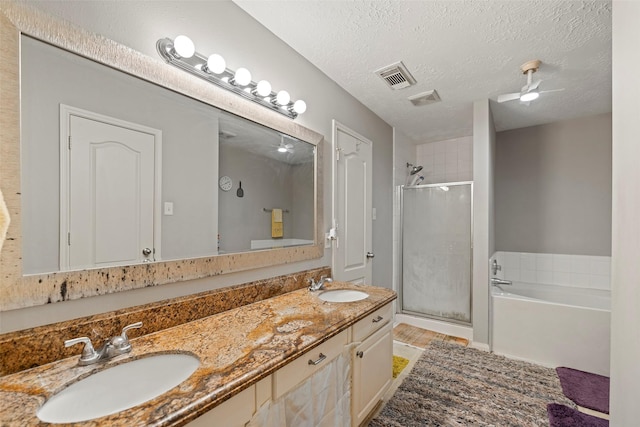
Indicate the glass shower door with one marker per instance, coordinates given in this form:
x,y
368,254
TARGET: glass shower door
x,y
436,251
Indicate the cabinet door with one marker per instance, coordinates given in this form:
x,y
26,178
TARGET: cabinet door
x,y
372,373
235,412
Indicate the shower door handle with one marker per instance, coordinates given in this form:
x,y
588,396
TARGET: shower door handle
x,y
370,255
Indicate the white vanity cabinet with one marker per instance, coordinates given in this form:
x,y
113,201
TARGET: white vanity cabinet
x,y
371,372
237,411
372,363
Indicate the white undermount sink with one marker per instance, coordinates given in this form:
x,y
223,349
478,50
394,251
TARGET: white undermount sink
x,y
343,295
118,388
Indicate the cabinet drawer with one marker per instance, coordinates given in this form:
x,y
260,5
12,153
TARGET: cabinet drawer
x,y
372,323
295,372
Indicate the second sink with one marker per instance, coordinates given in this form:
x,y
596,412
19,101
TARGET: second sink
x,y
118,388
343,295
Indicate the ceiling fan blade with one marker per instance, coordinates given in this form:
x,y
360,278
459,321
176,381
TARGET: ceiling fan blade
x,y
508,97
534,85
551,90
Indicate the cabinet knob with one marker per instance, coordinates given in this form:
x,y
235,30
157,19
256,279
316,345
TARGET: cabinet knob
x,y
360,354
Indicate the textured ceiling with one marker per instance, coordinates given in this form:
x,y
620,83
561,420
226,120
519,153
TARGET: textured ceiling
x,y
466,50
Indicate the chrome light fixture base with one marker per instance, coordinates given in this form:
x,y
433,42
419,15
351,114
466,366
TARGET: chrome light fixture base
x,y
197,65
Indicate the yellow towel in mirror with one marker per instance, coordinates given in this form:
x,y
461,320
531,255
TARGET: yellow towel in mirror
x,y
276,223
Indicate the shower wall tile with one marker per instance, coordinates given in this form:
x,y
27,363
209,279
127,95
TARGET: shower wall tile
x,y
446,161
556,269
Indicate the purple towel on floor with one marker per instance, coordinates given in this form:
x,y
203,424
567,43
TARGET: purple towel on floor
x,y
563,416
586,389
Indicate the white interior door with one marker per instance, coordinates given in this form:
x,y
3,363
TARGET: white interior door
x,y
111,195
352,254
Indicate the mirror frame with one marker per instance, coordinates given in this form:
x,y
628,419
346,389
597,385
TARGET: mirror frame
x,y
18,290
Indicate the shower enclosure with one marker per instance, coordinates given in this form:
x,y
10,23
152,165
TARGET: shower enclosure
x,y
436,251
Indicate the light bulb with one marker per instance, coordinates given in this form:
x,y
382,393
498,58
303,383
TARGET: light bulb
x,y
529,96
282,149
242,77
299,106
216,64
184,46
283,97
263,88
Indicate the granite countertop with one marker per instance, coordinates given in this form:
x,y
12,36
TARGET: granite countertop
x,y
236,349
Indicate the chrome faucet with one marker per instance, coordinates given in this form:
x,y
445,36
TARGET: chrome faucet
x,y
114,346
495,267
496,281
316,286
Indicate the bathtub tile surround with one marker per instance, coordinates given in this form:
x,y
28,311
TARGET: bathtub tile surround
x,y
236,349
44,344
581,271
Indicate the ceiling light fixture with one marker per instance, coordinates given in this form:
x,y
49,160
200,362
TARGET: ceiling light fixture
x,y
182,54
529,96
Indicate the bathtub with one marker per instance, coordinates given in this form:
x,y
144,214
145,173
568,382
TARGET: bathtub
x,y
552,325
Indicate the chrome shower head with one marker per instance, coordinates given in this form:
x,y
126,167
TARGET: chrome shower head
x,y
414,169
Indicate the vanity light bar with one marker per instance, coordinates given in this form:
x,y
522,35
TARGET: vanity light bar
x,y
181,53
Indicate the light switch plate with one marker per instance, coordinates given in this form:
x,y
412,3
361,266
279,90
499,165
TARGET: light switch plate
x,y
168,208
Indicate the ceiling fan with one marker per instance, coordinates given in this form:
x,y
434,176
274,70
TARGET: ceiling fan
x,y
283,147
529,91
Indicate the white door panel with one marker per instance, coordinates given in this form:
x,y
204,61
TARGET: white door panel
x,y
355,229
111,196
353,206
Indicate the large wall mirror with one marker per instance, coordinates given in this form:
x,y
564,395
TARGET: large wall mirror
x,y
123,172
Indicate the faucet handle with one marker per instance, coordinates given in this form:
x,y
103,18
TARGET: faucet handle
x,y
121,342
131,326
89,354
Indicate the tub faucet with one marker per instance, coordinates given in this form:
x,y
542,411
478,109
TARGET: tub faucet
x,y
316,286
495,267
114,346
496,281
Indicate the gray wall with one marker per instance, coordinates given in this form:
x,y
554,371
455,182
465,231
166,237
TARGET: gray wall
x,y
189,149
553,188
223,27
267,183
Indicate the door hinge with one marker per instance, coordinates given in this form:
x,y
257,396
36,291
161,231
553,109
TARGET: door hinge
x,y
338,153
68,239
69,142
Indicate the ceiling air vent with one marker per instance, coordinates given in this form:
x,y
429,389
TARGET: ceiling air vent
x,y
425,98
396,75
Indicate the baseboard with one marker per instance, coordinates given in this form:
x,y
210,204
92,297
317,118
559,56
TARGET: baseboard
x,y
436,326
480,346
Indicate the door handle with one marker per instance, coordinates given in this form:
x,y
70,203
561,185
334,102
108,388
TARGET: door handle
x,y
370,255
146,252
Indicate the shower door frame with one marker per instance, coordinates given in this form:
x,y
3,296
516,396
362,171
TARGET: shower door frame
x,y
400,276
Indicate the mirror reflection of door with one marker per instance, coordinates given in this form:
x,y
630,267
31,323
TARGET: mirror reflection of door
x,y
111,192
352,254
